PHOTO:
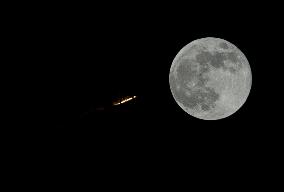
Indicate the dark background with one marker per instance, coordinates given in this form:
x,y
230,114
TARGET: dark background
x,y
96,56
83,56
89,55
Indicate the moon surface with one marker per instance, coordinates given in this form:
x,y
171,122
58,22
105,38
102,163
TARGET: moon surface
x,y
210,78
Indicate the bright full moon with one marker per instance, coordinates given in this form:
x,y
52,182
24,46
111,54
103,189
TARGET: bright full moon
x,y
210,78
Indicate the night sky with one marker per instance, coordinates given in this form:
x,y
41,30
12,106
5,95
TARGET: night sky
x,y
94,59
85,57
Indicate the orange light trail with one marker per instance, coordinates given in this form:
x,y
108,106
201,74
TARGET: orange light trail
x,y
124,100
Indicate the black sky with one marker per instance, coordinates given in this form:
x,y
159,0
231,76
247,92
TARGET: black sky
x,y
83,56
93,57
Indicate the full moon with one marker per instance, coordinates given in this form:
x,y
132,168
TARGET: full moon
x,y
210,78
